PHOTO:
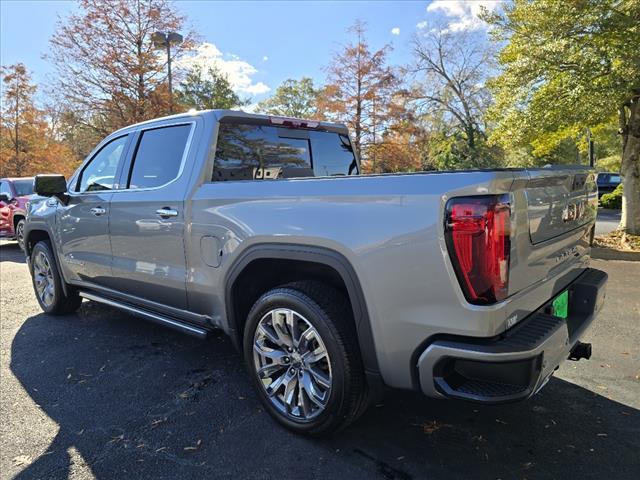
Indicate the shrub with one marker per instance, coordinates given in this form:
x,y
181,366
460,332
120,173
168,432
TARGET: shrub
x,y
613,199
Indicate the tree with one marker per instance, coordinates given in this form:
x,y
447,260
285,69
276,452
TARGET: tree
x,y
403,149
207,90
452,69
27,145
568,66
293,98
19,116
106,64
361,91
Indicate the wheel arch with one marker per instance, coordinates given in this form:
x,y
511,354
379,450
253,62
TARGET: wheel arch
x,y
327,261
16,218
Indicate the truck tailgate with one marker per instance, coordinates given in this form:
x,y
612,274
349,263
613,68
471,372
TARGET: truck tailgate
x,y
554,213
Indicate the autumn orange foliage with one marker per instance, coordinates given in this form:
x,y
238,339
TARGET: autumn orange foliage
x,y
27,143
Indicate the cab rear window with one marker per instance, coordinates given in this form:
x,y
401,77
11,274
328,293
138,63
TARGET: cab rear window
x,y
265,152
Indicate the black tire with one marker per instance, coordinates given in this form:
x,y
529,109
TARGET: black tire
x,y
59,304
330,314
20,233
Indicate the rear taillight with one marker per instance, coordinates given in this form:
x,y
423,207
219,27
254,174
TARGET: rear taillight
x,y
477,232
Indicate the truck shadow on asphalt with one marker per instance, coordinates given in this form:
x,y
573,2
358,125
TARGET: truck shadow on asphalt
x,y
125,397
10,252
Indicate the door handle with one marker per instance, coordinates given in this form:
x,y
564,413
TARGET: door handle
x,y
166,212
98,211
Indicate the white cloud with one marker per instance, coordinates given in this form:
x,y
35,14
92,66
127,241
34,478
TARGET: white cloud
x,y
251,108
265,58
239,73
422,24
463,14
395,31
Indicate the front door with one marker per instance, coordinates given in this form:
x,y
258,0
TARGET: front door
x,y
147,218
83,224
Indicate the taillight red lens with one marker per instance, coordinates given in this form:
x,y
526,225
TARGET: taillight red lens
x,y
477,232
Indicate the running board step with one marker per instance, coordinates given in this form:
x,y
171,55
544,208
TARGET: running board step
x,y
152,316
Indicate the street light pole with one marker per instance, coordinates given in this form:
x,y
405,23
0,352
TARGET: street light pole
x,y
169,77
162,40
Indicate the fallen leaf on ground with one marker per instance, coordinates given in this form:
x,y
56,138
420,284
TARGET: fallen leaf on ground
x,y
155,423
430,427
22,460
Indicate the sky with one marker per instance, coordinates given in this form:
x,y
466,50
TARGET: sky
x,y
258,44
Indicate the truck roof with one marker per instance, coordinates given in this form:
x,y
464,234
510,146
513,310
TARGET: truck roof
x,y
220,115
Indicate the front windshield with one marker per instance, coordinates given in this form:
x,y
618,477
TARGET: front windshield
x,y
23,187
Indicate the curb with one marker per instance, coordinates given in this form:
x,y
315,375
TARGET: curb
x,y
611,254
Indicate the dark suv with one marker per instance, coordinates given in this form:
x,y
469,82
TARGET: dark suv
x,y
14,195
607,182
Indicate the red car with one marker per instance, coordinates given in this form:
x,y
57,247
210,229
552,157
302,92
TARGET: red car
x,y
14,195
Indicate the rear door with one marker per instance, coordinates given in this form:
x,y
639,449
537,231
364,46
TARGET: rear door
x,y
147,217
83,223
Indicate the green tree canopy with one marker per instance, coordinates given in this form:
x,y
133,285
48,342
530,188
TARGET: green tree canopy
x,y
567,66
293,98
204,90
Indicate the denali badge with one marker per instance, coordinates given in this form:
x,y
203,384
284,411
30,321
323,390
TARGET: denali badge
x,y
566,254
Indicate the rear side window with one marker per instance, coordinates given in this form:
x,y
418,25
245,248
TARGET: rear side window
x,y
263,152
158,156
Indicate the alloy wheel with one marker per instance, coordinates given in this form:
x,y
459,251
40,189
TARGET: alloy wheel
x,y
43,277
292,364
20,234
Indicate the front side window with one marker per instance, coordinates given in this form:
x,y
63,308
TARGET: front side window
x,y
100,173
158,157
23,187
5,189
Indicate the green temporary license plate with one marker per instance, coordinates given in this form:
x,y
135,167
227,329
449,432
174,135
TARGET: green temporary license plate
x,y
560,306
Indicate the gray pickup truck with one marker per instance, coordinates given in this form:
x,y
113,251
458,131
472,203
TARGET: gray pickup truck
x,y
471,285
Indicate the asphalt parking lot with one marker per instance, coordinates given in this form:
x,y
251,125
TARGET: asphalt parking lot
x,y
101,394
608,220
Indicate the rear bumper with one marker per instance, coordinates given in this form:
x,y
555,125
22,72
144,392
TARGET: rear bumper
x,y
517,364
